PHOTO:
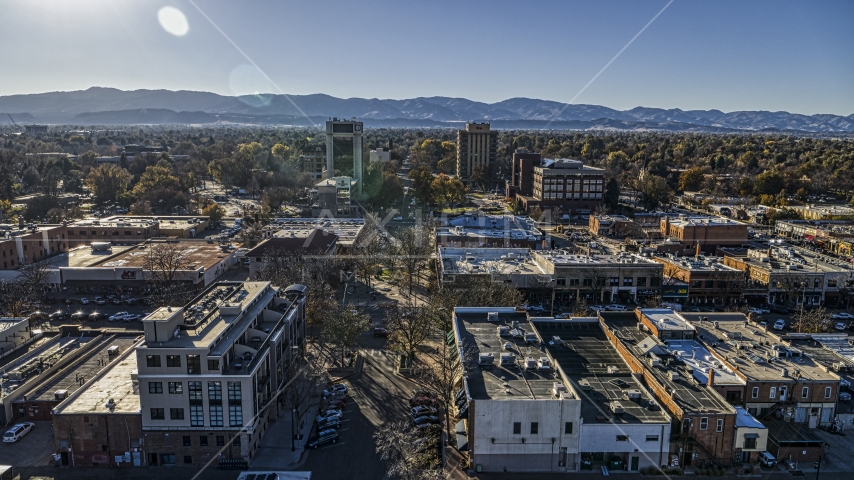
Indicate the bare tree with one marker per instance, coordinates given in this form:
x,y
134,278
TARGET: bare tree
x,y
810,321
412,249
594,279
442,372
407,456
167,266
579,309
342,328
470,291
308,377
409,328
370,249
20,293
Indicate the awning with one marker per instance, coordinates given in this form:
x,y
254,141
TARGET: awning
x,y
751,435
464,412
462,439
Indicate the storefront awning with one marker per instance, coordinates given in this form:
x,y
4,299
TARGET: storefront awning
x,y
462,439
751,435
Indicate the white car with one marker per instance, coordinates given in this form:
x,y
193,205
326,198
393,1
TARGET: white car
x,y
118,316
536,308
779,324
338,388
17,431
84,301
615,308
842,316
100,301
329,414
596,308
840,326
758,311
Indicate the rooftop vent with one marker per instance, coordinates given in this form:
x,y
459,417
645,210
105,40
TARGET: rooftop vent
x,y
558,388
616,408
492,316
584,385
530,363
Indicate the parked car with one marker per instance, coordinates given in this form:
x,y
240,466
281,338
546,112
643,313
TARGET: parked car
x,y
615,308
329,423
336,404
596,308
324,437
57,315
840,326
767,460
18,431
380,332
38,315
535,308
426,419
116,301
132,301
780,324
97,316
118,316
422,410
78,315
132,317
335,388
325,416
84,301
758,311
100,301
423,392
842,316
426,401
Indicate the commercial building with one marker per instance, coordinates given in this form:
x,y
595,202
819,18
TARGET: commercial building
x,y
334,197
210,372
347,230
779,377
824,212
611,225
566,185
380,154
477,148
118,230
478,230
344,150
509,265
600,278
22,244
35,129
298,247
707,232
704,421
522,173
555,397
314,164
787,275
709,281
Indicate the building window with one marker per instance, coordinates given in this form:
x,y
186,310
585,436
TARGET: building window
x,y
517,428
236,441
220,441
652,438
827,391
176,413
755,392
749,443
173,360
622,438
588,282
615,281
235,416
187,442
567,428
157,414
561,282
535,428
155,387
197,416
203,441
805,392
573,282
152,360
641,281
720,427
213,365
215,391
234,393
655,282
216,415
194,365
167,459
627,281
772,393
188,459
176,387
195,390
704,423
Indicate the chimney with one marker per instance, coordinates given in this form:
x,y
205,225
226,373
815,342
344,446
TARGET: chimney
x,y
711,381
697,250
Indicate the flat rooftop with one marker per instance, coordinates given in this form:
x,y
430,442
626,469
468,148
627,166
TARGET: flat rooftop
x,y
483,224
503,261
199,254
347,229
10,322
749,348
695,221
597,373
665,319
114,222
560,258
504,382
795,261
115,384
86,257
705,264
672,372
701,361
83,368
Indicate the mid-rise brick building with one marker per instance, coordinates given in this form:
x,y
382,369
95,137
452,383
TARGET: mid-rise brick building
x,y
707,232
709,281
522,173
21,244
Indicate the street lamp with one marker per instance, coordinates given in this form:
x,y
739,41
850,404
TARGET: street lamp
x,y
293,433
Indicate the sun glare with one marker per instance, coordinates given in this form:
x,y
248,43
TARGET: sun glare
x,y
173,21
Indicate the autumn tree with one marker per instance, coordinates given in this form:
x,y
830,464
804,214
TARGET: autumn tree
x,y
214,212
691,179
108,182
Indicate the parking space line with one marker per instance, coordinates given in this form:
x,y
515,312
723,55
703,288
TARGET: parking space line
x,y
333,445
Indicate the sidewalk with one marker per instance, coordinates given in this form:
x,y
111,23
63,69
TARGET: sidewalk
x,y
275,453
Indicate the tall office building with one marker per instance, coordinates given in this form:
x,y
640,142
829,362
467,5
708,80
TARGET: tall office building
x,y
476,145
344,149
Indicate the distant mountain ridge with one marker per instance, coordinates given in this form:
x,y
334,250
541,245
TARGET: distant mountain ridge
x,y
98,105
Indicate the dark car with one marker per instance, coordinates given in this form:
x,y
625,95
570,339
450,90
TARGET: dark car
x,y
116,301
38,315
94,316
380,332
324,437
779,309
78,315
57,315
132,301
421,392
431,419
422,410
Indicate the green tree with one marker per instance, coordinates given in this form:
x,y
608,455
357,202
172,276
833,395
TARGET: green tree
x,y
692,179
445,190
654,191
214,212
108,182
612,194
768,183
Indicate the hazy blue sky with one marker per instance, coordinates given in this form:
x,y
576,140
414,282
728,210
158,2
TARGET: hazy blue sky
x,y
728,54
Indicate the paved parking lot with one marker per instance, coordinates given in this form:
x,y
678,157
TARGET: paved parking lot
x,y
838,453
34,450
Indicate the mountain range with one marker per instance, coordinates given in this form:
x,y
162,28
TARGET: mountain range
x,y
110,106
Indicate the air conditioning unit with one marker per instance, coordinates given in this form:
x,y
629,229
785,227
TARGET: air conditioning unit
x,y
530,363
654,361
486,359
492,316
503,331
60,394
558,388
544,364
530,338
632,394
508,359
556,341
616,408
613,369
674,376
584,385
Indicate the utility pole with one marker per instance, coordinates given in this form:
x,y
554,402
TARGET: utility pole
x,y
817,466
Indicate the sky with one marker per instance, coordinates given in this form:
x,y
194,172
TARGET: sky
x,y
726,54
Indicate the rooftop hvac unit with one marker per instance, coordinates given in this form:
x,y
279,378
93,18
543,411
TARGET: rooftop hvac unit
x,y
556,341
654,361
613,369
60,394
114,350
616,408
508,359
503,331
584,384
632,394
486,359
530,338
784,372
558,388
674,376
530,363
514,324
544,364
492,316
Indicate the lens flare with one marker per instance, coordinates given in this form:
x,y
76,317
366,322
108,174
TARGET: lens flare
x,y
250,86
173,21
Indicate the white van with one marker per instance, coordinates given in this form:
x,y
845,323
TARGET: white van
x,y
17,431
767,460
